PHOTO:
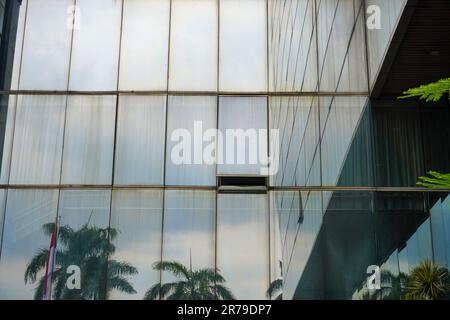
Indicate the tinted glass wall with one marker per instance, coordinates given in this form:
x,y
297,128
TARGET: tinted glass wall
x,y
98,93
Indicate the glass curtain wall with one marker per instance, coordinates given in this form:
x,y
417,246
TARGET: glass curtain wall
x,y
106,95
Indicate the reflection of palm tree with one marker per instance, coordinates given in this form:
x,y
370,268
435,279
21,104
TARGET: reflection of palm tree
x,y
89,248
275,289
203,284
427,281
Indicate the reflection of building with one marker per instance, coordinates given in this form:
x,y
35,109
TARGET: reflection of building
x,y
89,114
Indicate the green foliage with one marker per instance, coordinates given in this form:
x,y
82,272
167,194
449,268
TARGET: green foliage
x,y
432,92
89,248
435,180
204,284
427,281
429,92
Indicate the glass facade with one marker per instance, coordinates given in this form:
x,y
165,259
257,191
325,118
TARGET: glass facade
x,y
104,94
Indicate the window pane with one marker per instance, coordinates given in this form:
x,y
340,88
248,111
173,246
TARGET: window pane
x,y
145,43
292,46
250,115
83,241
379,39
27,211
17,57
193,53
189,229
342,64
45,61
2,214
8,114
182,114
96,46
140,140
243,244
137,218
243,45
340,118
297,120
89,139
38,138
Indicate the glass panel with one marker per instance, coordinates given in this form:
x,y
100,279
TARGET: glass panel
x,y
243,45
340,118
242,151
378,40
297,120
137,218
189,239
95,52
342,64
8,115
89,140
2,215
25,241
83,241
193,116
292,46
194,40
38,138
140,140
243,244
17,56
46,51
144,47
398,142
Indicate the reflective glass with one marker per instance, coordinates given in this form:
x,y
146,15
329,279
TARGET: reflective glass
x,y
89,140
188,118
140,140
46,51
243,45
24,241
189,237
8,114
137,217
244,148
194,40
83,245
18,47
297,120
340,118
242,244
95,51
38,139
378,39
144,46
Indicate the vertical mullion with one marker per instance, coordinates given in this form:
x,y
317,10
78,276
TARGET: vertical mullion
x,y
165,142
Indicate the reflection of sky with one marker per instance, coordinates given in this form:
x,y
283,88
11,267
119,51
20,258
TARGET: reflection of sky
x,y
193,60
38,138
145,26
45,62
140,140
243,244
189,229
22,240
243,45
137,217
89,139
96,46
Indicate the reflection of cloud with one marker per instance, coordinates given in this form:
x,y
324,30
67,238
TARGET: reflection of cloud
x,y
12,284
243,258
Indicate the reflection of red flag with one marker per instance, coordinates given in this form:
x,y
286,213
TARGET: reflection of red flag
x,y
50,264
